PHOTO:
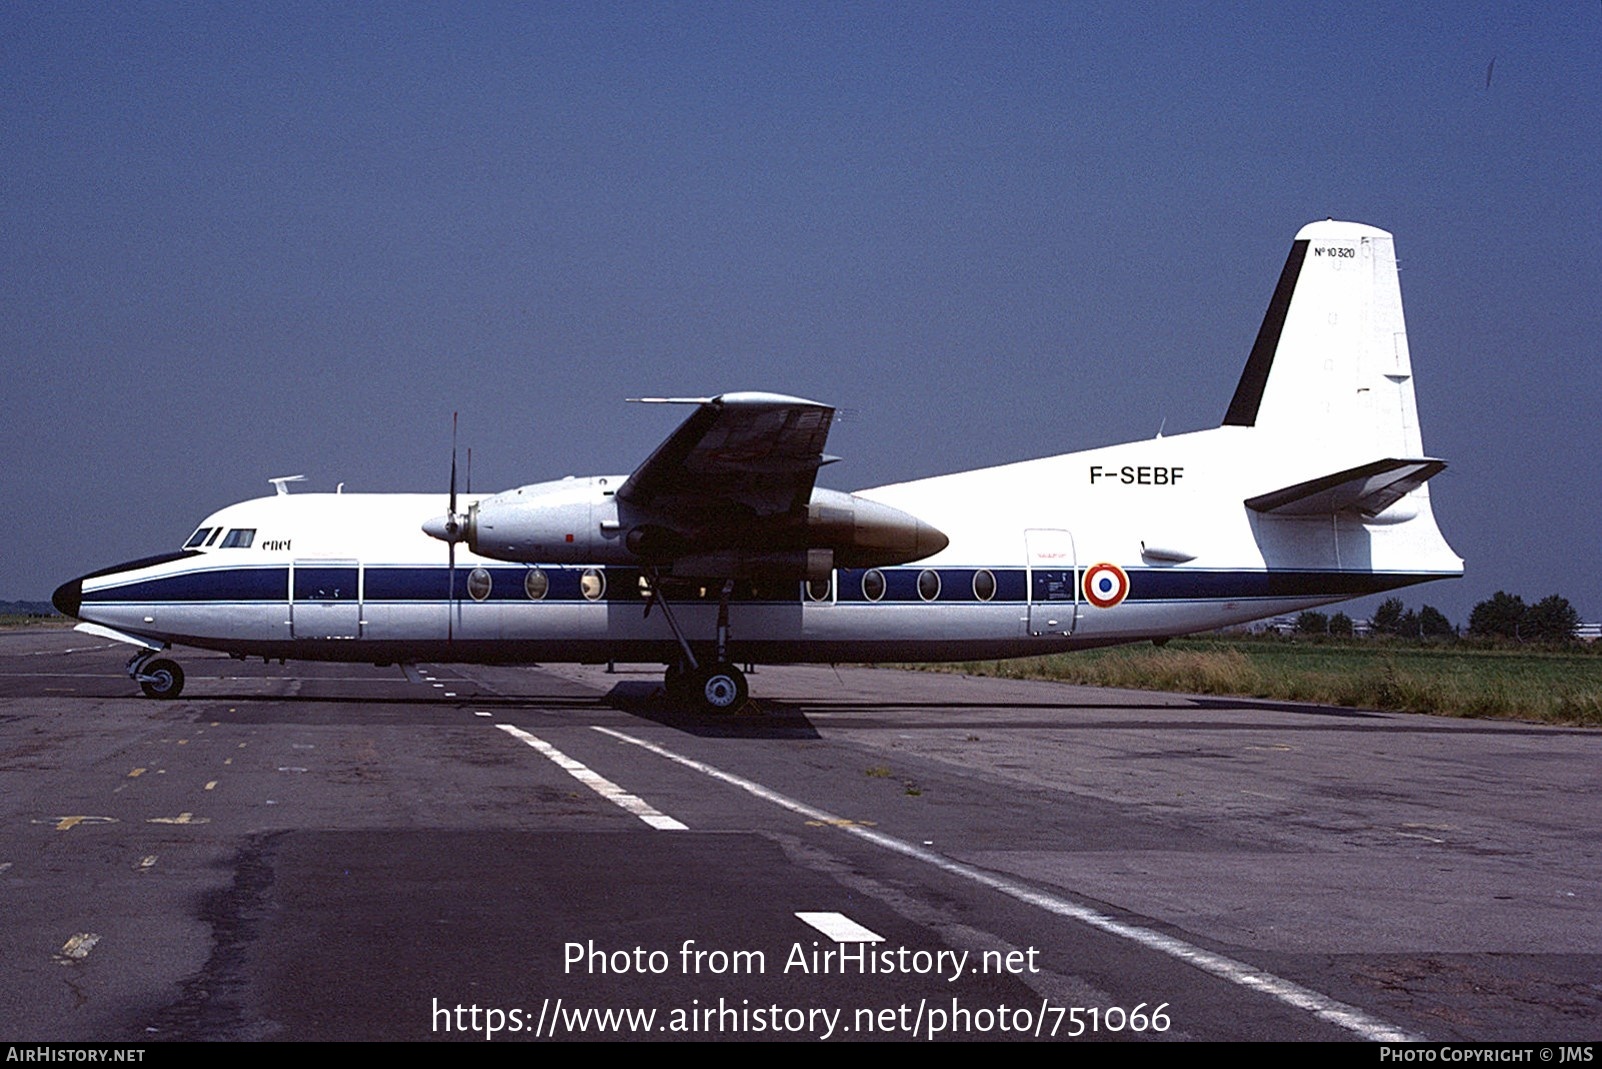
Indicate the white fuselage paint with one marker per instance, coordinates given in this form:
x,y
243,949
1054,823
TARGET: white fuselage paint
x,y
1023,523
1039,555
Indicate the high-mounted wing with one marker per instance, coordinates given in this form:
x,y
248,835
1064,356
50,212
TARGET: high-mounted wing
x,y
729,494
756,454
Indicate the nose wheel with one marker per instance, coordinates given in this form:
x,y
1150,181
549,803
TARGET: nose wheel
x,y
158,677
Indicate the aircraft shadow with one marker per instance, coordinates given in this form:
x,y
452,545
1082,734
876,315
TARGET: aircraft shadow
x,y
853,705
760,719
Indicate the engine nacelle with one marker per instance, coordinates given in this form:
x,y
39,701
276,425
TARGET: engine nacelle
x,y
568,521
579,521
866,534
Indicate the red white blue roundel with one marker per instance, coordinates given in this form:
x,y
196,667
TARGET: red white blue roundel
x,y
1105,585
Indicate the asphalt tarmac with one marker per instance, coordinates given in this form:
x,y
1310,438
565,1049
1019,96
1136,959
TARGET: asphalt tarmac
x,y
344,852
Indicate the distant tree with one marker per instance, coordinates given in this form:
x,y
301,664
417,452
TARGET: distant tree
x,y
1433,623
1552,619
1409,626
1312,623
1502,614
1340,624
1387,618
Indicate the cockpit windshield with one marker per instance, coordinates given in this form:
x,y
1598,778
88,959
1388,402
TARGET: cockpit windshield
x,y
204,538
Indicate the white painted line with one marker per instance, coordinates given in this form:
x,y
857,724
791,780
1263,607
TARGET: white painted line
x,y
598,783
480,712
840,928
1351,1018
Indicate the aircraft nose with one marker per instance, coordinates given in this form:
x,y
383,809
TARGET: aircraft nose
x,y
68,597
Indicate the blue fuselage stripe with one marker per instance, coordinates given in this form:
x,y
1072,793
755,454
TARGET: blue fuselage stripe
x,y
397,584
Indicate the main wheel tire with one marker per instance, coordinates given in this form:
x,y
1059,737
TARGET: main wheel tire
x,y
721,688
676,681
162,679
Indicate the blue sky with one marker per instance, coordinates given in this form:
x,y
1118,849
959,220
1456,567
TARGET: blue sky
x,y
253,240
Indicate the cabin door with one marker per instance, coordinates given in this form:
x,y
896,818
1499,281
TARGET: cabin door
x,y
325,600
1053,583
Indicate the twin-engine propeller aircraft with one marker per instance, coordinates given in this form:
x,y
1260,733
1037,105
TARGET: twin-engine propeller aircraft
x,y
720,549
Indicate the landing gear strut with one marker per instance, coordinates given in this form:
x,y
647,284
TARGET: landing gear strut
x,y
714,687
158,677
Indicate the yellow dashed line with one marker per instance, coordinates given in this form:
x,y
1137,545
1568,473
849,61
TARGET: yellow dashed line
x,y
68,823
181,818
136,772
77,948
211,786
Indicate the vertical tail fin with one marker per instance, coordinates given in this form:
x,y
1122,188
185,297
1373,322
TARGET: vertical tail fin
x,y
1331,359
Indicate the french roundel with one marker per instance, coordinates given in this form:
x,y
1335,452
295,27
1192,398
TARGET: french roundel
x,y
1105,585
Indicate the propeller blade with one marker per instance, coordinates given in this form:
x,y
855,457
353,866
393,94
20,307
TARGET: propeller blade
x,y
452,528
453,472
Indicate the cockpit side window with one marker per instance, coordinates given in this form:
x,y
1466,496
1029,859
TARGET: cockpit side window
x,y
239,538
199,537
214,535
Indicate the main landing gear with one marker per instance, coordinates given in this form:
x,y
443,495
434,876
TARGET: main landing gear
x,y
158,677
716,686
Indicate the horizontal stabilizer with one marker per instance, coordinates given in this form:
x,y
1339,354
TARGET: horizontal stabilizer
x,y
1369,489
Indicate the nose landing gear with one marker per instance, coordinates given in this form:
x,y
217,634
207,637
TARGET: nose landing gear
x,y
158,677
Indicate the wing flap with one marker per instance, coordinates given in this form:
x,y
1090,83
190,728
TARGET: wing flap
x,y
755,453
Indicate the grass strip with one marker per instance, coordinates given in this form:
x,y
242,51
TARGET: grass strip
x,y
1544,686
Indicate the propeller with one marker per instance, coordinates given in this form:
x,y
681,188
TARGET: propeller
x,y
453,527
